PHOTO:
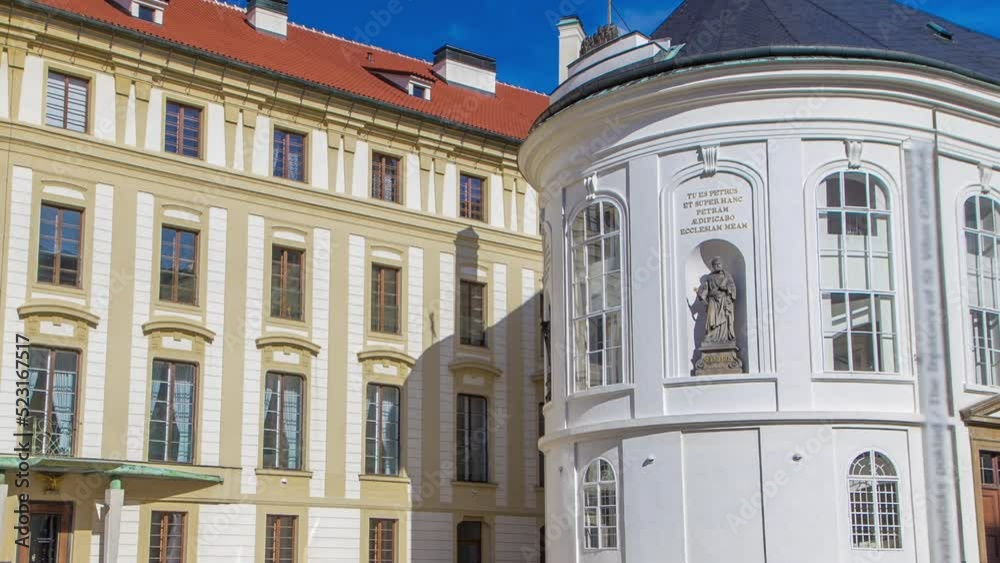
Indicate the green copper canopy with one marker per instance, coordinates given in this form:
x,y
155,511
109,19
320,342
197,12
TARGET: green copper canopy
x,y
112,469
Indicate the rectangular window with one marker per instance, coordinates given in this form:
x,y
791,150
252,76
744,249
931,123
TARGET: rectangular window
x,y
283,418
178,266
381,541
52,382
183,130
166,537
385,299
471,440
280,540
172,412
472,319
286,283
66,102
382,430
990,465
59,245
470,542
385,177
146,13
471,197
289,155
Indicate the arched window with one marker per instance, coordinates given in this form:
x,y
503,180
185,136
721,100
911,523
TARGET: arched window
x,y
856,274
982,232
597,296
873,491
600,506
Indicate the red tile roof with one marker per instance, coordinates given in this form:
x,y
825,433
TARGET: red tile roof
x,y
330,61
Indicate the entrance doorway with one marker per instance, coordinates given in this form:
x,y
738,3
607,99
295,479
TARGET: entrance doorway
x,y
50,529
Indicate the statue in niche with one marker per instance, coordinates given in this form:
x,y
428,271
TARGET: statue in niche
x,y
719,352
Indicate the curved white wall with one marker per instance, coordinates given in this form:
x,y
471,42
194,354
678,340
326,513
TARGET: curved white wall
x,y
749,467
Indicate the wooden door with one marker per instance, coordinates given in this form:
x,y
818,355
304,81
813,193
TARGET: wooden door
x,y
50,529
990,493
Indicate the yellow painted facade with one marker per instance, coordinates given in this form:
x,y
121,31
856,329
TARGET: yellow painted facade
x,y
128,188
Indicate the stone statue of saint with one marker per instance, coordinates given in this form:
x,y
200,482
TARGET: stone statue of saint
x,y
718,291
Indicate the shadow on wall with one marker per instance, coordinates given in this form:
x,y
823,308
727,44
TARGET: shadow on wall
x,y
481,389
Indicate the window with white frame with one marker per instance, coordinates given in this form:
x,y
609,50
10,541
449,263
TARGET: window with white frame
x,y
600,506
873,501
856,277
598,332
982,273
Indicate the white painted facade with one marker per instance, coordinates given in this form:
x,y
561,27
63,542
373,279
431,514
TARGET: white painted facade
x,y
753,467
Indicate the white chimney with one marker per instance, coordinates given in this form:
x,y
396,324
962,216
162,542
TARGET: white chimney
x,y
464,68
571,38
269,16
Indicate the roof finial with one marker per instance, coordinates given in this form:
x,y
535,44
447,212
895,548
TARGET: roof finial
x,y
609,12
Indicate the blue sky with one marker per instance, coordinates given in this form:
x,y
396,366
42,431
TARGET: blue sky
x,y
520,33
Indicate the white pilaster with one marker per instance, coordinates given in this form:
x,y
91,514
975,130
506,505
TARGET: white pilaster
x,y
32,89
154,121
334,535
105,113
261,165
128,539
319,160
412,187
496,194
18,254
215,320
449,195
130,121
319,385
141,301
4,86
432,191
513,535
238,145
253,323
499,407
215,135
227,533
447,354
529,357
340,184
530,211
432,537
97,339
114,499
355,342
360,178
415,382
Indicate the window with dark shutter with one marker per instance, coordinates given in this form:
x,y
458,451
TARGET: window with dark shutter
x,y
471,197
66,102
385,178
179,266
289,155
183,130
286,283
59,245
471,313
385,299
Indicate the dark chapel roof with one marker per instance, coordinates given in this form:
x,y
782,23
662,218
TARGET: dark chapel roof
x,y
717,27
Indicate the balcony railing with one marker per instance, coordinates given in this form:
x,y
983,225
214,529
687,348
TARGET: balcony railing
x,y
49,438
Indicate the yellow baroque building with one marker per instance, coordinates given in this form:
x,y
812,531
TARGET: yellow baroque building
x,y
268,295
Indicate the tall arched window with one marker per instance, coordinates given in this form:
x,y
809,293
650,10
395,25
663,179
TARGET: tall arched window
x,y
982,232
856,274
873,492
598,331
600,506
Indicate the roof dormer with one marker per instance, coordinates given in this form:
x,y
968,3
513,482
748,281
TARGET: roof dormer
x,y
147,10
416,85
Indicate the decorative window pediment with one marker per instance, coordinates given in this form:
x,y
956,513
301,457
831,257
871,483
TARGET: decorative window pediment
x,y
60,310
287,341
386,362
474,367
175,325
